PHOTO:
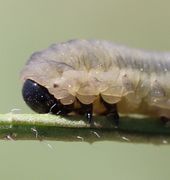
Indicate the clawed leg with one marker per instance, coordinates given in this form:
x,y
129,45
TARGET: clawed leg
x,y
87,110
165,120
112,112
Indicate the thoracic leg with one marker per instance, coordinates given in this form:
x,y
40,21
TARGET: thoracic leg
x,y
164,120
87,110
112,112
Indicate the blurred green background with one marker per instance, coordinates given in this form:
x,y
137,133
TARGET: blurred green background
x,y
30,25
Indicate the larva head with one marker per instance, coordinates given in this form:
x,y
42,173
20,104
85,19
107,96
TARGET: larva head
x,y
39,99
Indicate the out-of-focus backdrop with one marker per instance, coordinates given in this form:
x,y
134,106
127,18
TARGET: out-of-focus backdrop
x,y
28,26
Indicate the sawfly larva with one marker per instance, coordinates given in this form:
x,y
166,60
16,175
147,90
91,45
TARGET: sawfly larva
x,y
97,77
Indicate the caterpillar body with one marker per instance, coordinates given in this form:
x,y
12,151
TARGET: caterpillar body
x,y
98,74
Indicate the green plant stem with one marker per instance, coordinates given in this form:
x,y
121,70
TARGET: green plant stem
x,y
75,128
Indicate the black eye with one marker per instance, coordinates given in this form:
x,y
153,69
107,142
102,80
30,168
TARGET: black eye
x,y
39,99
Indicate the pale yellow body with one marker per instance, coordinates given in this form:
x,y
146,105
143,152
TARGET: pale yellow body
x,y
137,81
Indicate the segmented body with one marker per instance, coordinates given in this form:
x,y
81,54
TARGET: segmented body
x,y
136,80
